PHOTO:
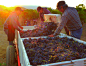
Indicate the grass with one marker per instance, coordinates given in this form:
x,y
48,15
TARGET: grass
x,y
2,64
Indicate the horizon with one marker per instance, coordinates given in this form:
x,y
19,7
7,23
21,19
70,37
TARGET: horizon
x,y
27,6
43,3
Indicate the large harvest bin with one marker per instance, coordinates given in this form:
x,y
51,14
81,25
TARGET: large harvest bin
x,y
25,61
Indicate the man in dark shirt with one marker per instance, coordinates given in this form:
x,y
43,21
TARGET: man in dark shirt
x,y
42,11
70,18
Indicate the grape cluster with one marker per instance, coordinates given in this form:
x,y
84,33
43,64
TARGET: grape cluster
x,y
44,30
53,49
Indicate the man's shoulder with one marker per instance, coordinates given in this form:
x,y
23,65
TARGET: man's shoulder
x,y
13,13
46,11
70,8
67,11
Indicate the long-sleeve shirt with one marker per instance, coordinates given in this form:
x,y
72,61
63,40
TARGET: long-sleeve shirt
x,y
13,21
70,18
45,11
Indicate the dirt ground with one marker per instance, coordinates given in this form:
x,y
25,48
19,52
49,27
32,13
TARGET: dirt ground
x,y
4,43
3,46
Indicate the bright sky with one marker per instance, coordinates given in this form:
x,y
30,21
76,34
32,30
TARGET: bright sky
x,y
47,3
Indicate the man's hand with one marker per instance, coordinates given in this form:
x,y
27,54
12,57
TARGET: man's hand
x,y
21,27
51,35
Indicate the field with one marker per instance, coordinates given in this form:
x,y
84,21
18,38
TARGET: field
x,y
4,43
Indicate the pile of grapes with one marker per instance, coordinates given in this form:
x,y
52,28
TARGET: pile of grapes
x,y
44,30
53,49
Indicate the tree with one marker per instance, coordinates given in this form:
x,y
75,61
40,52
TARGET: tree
x,y
81,6
81,11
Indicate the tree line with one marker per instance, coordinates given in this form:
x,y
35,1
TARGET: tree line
x,y
30,14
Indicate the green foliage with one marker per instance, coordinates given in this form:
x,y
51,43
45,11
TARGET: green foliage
x,y
82,12
3,16
53,11
2,7
81,6
30,14
56,12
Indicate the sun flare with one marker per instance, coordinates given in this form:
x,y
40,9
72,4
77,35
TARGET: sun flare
x,y
52,4
9,5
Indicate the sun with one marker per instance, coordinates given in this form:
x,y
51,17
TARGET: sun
x,y
9,5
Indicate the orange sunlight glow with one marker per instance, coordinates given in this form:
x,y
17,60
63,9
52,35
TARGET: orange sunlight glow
x,y
9,3
47,3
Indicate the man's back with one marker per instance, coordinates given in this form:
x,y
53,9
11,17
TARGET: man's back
x,y
12,18
72,17
46,11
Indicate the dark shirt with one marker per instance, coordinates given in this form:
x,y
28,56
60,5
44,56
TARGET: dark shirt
x,y
45,11
70,18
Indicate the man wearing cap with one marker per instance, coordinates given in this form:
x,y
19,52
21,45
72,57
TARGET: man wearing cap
x,y
11,24
70,18
42,11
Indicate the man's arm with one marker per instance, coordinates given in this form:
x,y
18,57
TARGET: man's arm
x,y
66,30
14,22
41,16
61,25
19,25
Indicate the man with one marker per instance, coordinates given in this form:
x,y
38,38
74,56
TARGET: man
x,y
70,18
11,24
42,11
